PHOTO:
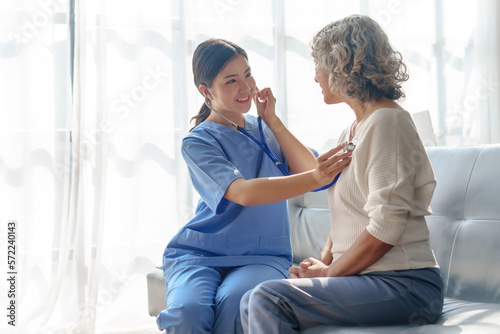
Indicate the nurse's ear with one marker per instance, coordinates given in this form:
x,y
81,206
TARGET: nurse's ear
x,y
204,90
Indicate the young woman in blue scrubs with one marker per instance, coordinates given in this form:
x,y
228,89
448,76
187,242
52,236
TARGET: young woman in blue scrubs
x,y
240,234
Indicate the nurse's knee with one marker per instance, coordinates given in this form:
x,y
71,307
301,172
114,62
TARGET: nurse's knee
x,y
187,318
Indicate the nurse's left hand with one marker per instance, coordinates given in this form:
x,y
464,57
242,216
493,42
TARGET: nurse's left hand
x,y
308,269
266,103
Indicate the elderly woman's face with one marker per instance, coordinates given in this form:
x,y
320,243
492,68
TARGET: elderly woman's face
x,y
321,77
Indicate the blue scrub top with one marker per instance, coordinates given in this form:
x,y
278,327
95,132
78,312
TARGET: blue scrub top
x,y
223,233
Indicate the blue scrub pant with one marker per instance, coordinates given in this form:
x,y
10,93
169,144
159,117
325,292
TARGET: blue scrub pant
x,y
391,297
207,300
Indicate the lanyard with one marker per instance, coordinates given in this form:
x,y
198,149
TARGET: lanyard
x,y
263,145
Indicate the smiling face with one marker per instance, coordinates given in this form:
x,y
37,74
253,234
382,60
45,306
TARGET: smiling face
x,y
233,88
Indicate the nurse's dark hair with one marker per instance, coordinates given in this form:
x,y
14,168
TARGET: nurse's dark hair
x,y
209,59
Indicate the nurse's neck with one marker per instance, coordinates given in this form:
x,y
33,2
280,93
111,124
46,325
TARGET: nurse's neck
x,y
226,119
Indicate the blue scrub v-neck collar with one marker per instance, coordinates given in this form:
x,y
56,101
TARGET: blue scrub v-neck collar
x,y
250,124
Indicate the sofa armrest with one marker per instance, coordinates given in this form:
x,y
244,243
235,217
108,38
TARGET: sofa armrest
x,y
156,292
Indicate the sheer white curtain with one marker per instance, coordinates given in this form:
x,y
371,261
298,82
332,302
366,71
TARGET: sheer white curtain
x,y
483,95
35,109
131,191
92,173
89,174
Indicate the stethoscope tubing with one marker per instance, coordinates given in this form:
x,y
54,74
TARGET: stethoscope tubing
x,y
263,145
270,154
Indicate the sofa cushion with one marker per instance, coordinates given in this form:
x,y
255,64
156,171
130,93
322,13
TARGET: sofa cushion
x,y
457,317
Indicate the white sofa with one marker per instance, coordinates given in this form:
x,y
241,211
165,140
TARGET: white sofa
x,y
465,235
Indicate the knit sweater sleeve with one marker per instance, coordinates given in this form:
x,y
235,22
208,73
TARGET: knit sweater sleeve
x,y
390,157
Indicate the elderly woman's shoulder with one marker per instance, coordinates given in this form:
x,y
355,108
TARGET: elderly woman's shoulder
x,y
387,119
387,113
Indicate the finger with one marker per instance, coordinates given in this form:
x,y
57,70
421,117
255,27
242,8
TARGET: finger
x,y
269,93
340,156
259,102
305,264
294,275
254,94
337,167
263,92
260,97
343,163
334,161
333,151
330,166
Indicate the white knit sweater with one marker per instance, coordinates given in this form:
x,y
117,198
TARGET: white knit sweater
x,y
386,189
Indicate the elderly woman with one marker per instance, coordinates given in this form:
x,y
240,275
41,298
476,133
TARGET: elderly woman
x,y
377,266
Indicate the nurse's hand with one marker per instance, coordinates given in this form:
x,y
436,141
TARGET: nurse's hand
x,y
266,103
331,163
308,269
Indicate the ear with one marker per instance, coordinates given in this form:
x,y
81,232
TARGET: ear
x,y
204,90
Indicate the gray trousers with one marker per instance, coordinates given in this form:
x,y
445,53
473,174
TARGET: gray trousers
x,y
389,297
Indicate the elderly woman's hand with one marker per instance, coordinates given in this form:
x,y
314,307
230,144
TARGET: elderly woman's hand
x,y
309,268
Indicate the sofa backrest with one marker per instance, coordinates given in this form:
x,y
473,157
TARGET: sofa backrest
x,y
464,226
309,224
465,220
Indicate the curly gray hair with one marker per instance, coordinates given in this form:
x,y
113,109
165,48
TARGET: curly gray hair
x,y
359,59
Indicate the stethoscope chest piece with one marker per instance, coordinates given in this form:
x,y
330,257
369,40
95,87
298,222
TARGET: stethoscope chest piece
x,y
350,145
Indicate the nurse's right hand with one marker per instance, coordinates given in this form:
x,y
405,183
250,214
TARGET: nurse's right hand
x,y
266,106
331,163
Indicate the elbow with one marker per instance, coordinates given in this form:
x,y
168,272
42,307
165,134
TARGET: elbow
x,y
379,250
251,192
237,194
243,200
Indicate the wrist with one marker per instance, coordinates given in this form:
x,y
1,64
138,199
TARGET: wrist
x,y
324,272
318,180
275,124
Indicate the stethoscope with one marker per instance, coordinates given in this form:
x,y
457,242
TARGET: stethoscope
x,y
348,146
